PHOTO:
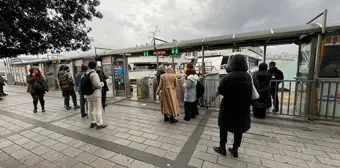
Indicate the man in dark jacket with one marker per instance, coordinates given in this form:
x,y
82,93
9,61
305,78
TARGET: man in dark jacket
x,y
105,88
234,115
276,74
67,84
78,77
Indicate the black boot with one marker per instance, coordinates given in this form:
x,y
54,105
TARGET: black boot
x,y
173,120
166,118
234,152
220,150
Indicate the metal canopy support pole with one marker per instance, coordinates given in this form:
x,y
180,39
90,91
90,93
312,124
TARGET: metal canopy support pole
x,y
314,97
126,77
318,47
264,53
203,64
154,48
173,62
310,86
204,98
112,77
298,62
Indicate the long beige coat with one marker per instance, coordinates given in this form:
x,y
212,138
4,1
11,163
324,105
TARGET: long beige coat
x,y
167,91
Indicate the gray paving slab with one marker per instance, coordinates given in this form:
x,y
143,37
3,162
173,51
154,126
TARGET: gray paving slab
x,y
138,137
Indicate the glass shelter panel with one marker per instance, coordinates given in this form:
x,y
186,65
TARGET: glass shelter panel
x,y
107,69
302,75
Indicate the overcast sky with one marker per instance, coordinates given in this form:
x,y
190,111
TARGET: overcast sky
x,y
128,23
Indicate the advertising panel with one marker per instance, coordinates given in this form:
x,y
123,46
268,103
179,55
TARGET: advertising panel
x,y
329,103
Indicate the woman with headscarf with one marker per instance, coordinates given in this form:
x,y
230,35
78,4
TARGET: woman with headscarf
x,y
262,77
167,91
37,87
190,97
234,115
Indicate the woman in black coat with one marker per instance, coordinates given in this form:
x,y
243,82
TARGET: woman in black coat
x,y
262,77
234,115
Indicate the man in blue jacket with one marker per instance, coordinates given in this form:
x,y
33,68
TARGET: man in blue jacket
x,y
83,70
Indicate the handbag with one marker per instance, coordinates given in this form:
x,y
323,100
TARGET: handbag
x,y
254,94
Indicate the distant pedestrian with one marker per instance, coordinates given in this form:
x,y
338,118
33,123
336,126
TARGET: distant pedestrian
x,y
37,87
68,88
234,115
262,77
167,91
2,84
59,75
277,75
105,88
84,69
91,87
190,94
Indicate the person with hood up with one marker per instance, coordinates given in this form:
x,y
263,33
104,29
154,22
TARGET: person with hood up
x,y
190,98
37,87
234,115
262,77
105,89
84,69
167,91
160,71
276,74
59,75
67,84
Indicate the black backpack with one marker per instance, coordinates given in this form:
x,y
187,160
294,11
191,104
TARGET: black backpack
x,y
86,84
199,89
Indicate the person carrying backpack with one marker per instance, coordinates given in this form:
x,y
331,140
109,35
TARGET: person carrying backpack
x,y
91,87
78,77
67,84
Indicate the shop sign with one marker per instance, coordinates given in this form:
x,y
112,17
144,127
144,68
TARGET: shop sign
x,y
78,63
332,40
106,60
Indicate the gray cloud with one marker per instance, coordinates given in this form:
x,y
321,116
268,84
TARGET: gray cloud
x,y
128,23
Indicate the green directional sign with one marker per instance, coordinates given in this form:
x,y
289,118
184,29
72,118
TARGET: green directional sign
x,y
146,53
174,51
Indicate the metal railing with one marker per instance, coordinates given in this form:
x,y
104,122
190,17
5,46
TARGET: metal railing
x,y
295,97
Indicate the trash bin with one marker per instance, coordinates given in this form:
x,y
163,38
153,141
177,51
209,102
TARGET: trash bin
x,y
143,87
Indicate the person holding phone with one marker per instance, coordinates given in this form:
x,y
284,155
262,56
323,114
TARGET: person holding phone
x,y
37,87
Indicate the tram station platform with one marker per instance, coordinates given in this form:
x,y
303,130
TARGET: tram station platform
x,y
137,137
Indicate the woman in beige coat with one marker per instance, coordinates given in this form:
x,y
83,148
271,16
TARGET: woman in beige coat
x,y
167,92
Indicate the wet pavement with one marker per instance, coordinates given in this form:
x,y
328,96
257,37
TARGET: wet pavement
x,y
137,137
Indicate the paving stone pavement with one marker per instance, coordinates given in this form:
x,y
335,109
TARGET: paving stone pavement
x,y
138,137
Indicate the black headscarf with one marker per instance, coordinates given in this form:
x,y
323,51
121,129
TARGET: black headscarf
x,y
238,63
263,67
